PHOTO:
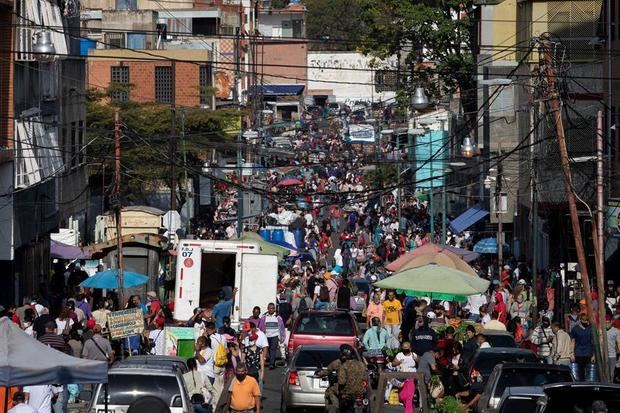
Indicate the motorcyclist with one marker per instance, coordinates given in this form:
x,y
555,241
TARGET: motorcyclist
x,y
352,375
331,393
375,338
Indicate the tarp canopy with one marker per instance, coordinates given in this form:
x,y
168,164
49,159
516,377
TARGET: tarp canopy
x,y
108,279
468,218
66,251
266,247
467,256
277,90
435,281
25,361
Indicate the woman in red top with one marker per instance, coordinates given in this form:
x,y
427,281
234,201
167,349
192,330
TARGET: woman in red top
x,y
500,307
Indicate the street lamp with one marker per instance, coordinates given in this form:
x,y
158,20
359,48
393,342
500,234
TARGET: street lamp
x,y
43,48
419,100
467,148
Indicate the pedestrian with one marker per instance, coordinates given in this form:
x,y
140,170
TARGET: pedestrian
x,y
63,322
581,336
470,345
542,337
226,329
197,388
223,308
406,360
561,347
219,351
204,358
254,318
42,320
375,308
392,317
41,397
321,296
20,405
156,338
428,364
485,317
52,339
301,303
613,344
273,326
424,338
154,308
100,314
474,303
254,359
97,347
483,341
343,296
245,395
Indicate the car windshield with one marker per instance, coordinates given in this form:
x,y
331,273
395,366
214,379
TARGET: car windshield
x,y
486,361
315,359
501,340
581,401
325,324
124,389
530,377
519,405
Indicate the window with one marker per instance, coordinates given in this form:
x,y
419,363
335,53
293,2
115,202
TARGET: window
x,y
298,29
205,77
124,389
576,24
339,324
385,80
206,26
115,40
126,5
163,84
136,41
120,83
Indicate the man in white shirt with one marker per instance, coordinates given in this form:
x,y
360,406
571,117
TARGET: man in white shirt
x,y
19,404
40,398
474,302
261,341
156,338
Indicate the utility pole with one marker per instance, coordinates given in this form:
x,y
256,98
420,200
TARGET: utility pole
x,y
443,212
486,137
598,241
173,160
499,212
117,202
432,210
556,111
239,139
189,199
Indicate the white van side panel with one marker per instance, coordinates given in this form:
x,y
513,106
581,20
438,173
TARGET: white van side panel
x,y
187,285
258,283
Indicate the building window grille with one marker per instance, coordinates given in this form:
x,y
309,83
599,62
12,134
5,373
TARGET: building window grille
x,y
120,83
164,84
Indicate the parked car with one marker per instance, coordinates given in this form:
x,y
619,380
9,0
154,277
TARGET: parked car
x,y
506,375
126,384
147,361
300,385
323,327
497,338
519,399
486,359
578,397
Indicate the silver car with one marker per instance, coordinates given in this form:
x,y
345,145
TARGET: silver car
x,y
300,386
127,383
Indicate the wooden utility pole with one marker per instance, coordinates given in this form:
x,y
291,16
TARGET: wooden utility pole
x,y
598,242
556,112
173,160
118,206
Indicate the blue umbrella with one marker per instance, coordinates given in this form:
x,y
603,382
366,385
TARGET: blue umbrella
x,y
489,246
108,279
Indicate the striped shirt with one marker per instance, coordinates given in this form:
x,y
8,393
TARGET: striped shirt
x,y
54,341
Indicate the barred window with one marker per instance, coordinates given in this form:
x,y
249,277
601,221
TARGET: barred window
x,y
120,83
205,76
164,83
385,80
115,40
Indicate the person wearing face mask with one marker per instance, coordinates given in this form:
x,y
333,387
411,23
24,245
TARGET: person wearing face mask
x,y
244,392
254,359
374,309
406,360
375,338
583,351
542,336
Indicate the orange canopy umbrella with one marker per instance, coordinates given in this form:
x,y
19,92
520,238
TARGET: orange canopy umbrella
x,y
430,248
444,258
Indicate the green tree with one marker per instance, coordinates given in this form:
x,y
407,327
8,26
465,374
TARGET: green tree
x,y
436,31
145,143
337,23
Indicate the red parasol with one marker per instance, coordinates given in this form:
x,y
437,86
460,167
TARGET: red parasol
x,y
289,182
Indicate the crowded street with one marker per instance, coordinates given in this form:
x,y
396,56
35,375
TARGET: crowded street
x,y
338,206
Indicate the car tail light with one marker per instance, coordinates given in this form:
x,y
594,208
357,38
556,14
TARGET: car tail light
x,y
290,345
293,378
475,376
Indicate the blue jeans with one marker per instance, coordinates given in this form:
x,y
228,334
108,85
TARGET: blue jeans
x,y
274,343
199,408
321,305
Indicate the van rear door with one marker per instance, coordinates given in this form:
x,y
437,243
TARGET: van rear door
x,y
258,283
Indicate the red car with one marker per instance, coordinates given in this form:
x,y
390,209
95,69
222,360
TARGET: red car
x,y
323,327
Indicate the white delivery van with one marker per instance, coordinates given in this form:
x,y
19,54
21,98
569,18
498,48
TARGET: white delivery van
x,y
204,267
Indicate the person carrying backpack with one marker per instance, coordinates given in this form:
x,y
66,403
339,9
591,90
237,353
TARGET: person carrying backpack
x,y
301,303
219,349
321,296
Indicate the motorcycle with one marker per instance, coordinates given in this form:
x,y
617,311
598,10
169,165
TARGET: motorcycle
x,y
375,360
358,403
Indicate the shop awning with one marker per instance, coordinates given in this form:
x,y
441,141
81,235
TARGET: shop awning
x,y
468,218
277,90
